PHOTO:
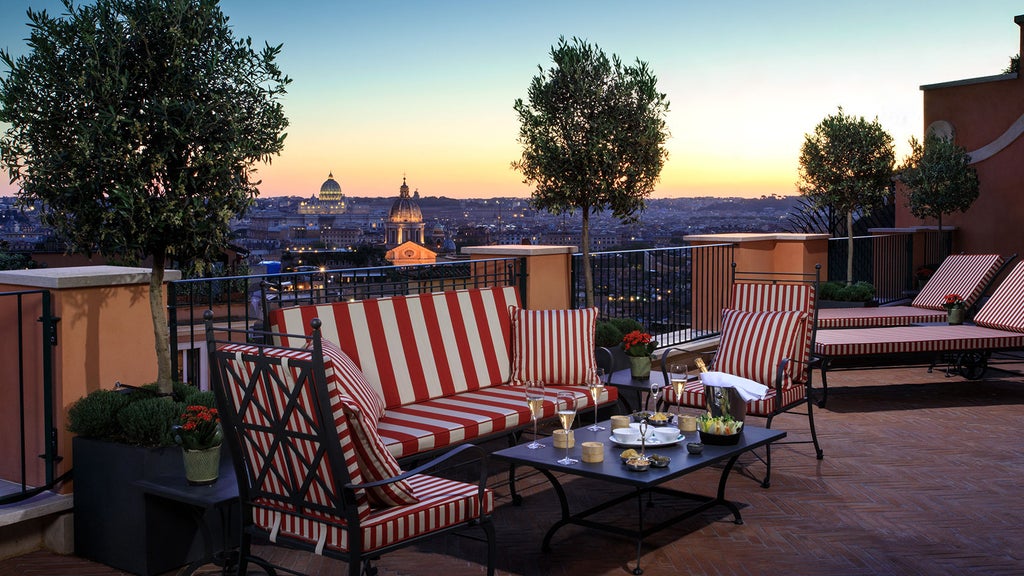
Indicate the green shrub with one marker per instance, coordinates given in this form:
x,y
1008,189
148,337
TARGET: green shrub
x,y
839,291
609,332
148,422
134,416
95,415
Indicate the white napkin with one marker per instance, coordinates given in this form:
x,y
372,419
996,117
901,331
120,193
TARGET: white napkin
x,y
747,389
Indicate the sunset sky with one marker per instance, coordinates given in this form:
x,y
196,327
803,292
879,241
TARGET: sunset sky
x,y
425,89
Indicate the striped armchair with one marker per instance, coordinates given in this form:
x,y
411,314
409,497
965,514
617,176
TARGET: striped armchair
x,y
313,473
767,335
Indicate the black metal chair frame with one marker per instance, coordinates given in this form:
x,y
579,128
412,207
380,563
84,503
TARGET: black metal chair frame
x,y
342,494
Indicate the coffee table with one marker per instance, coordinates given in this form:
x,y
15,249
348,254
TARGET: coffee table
x,y
651,481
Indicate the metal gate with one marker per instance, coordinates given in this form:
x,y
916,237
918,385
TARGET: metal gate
x,y
28,437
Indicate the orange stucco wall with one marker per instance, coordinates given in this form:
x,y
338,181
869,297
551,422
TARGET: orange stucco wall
x,y
980,112
104,335
548,272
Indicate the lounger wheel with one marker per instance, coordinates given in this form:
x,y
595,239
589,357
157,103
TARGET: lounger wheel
x,y
972,365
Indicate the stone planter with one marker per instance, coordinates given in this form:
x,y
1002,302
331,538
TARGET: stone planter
x,y
955,316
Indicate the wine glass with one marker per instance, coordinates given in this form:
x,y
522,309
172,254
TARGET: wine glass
x,y
535,400
596,385
566,414
677,376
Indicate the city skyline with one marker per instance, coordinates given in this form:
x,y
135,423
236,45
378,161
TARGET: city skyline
x,y
384,90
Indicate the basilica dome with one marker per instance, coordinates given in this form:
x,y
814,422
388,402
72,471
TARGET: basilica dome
x,y
330,190
405,209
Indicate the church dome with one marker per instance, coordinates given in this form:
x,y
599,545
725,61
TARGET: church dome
x,y
405,209
330,190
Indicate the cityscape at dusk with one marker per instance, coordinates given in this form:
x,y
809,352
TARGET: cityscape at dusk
x,y
425,89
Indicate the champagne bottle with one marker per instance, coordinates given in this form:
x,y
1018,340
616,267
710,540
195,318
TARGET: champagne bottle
x,y
701,365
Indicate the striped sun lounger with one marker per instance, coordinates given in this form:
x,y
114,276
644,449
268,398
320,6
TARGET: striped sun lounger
x,y
966,275
999,325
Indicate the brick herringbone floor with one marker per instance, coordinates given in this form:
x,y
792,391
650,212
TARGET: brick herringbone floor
x,y
922,475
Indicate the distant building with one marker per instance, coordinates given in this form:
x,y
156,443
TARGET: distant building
x,y
330,201
410,253
405,220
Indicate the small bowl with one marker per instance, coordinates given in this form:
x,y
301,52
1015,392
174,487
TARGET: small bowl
x,y
666,434
659,461
668,418
626,435
694,447
638,464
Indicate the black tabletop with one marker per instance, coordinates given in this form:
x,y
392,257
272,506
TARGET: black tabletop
x,y
613,470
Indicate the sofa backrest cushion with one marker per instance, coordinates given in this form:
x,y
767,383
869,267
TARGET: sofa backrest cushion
x,y
418,347
554,346
353,384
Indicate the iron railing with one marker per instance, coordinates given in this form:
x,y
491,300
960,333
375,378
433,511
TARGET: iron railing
x,y
243,301
28,396
656,288
886,261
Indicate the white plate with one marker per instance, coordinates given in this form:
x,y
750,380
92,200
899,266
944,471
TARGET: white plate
x,y
652,443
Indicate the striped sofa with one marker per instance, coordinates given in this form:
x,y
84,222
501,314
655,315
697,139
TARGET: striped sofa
x,y
446,365
998,325
966,275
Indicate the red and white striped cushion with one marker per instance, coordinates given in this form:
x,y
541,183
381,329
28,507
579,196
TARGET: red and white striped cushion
x,y
753,343
352,383
1005,309
694,397
418,347
417,428
269,395
962,274
910,339
375,462
778,297
553,346
877,317
443,503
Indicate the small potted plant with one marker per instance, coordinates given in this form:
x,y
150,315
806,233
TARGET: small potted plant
x,y
954,306
639,346
199,434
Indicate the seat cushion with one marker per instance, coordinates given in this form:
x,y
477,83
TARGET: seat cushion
x,y
753,343
554,346
877,317
435,424
443,503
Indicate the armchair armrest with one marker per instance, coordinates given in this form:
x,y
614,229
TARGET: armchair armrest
x,y
481,482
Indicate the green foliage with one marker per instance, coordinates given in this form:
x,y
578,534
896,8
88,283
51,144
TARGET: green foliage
x,y
842,292
846,165
609,332
135,125
139,417
938,178
95,415
593,134
1014,65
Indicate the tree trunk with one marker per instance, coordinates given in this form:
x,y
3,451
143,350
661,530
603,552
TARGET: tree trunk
x,y
160,335
849,247
588,275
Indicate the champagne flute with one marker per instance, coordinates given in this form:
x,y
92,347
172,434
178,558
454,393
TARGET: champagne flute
x,y
596,385
678,378
566,414
535,400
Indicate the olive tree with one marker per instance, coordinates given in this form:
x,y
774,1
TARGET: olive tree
x,y
593,134
938,178
136,126
846,166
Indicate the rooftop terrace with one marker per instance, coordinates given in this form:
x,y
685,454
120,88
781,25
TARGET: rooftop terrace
x,y
921,475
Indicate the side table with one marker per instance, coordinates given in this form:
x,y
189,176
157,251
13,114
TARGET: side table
x,y
215,504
